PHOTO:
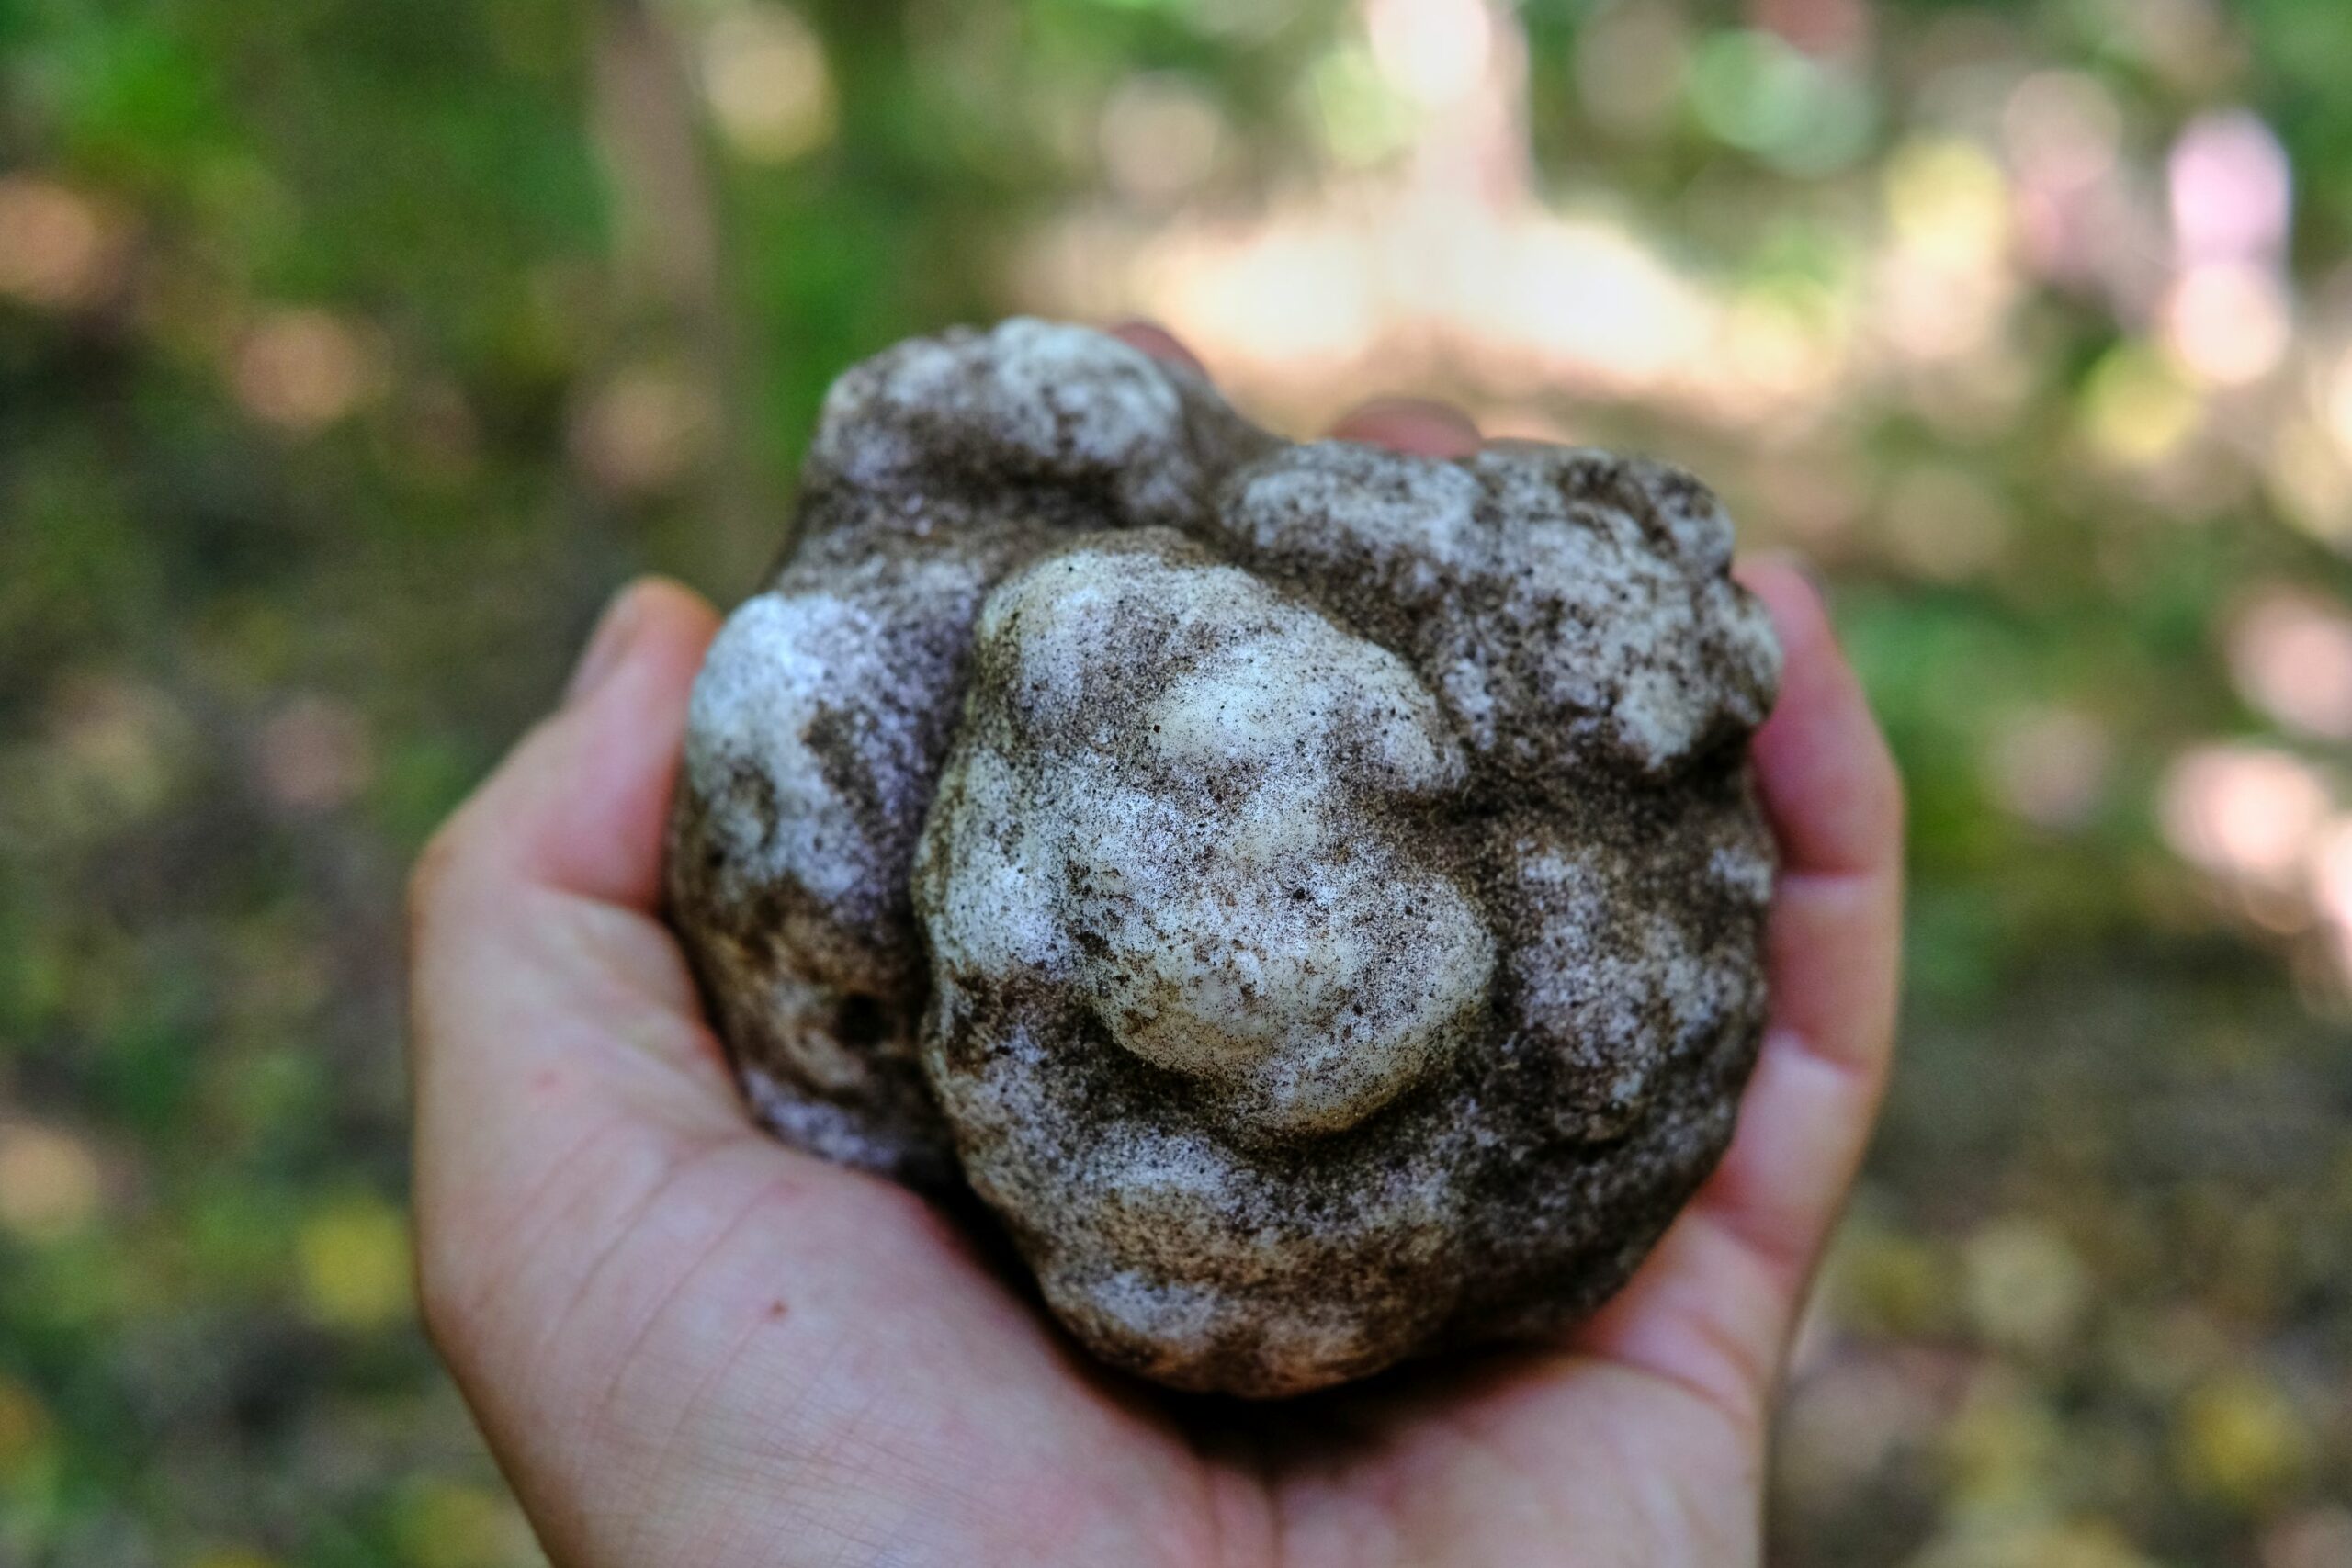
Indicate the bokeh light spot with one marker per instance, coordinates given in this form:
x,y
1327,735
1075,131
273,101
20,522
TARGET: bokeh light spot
x,y
644,429
2241,1438
2027,1288
55,244
2136,409
315,754
2290,654
770,90
2232,190
1434,52
1159,138
2244,812
303,370
1757,92
2050,765
50,1181
2228,323
354,1264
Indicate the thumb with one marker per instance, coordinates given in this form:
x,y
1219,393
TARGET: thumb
x,y
548,1007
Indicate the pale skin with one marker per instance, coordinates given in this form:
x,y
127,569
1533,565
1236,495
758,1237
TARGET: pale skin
x,y
687,1344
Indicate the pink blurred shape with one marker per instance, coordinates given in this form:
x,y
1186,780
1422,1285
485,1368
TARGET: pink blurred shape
x,y
2233,190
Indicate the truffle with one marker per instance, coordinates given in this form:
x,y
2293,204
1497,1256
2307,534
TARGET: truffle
x,y
1313,896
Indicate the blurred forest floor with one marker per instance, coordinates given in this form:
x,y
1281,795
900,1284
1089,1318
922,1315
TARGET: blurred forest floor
x,y
350,353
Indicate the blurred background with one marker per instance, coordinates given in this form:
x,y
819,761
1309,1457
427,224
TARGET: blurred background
x,y
351,353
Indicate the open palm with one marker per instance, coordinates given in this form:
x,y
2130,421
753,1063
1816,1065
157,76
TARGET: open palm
x,y
689,1344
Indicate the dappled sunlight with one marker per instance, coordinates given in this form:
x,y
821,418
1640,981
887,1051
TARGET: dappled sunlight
x,y
1160,138
2291,653
56,245
644,428
1443,265
764,73
314,754
50,1183
2231,190
305,369
1438,52
2250,813
2228,323
2051,766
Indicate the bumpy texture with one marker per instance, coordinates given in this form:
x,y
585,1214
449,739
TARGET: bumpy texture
x,y
1313,896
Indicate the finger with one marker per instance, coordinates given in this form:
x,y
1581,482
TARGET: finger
x,y
547,1005
1715,1306
1160,342
1411,425
1830,788
532,911
1828,777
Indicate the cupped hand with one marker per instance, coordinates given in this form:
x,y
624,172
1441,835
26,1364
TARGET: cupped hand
x,y
689,1344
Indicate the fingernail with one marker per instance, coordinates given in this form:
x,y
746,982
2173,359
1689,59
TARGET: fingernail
x,y
1160,342
607,646
1414,425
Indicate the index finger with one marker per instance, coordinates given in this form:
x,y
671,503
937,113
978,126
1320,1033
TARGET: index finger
x,y
545,999
1827,778
1836,803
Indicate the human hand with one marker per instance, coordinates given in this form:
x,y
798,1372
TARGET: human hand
x,y
689,1344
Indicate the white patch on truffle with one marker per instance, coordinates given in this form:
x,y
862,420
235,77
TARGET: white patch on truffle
x,y
1408,511
1743,871
992,908
856,652
1611,983
1030,395
1192,859
774,665
820,1127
